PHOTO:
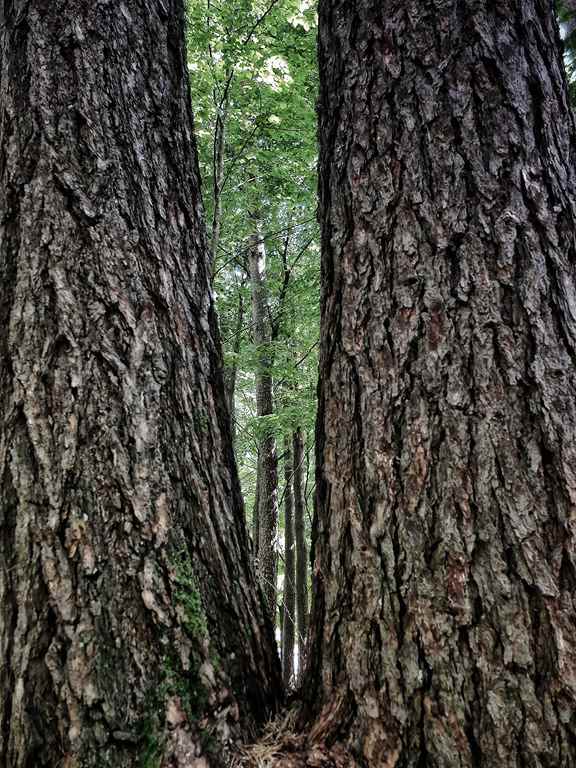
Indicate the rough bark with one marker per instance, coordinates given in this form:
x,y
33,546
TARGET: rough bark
x,y
121,527
267,457
289,599
444,628
301,548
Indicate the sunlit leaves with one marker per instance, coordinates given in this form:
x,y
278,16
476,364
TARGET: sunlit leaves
x,y
253,64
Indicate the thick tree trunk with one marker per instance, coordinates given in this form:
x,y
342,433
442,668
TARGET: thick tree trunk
x,y
121,527
301,548
444,628
289,601
267,458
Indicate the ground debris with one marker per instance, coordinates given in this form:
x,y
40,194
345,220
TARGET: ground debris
x,y
280,746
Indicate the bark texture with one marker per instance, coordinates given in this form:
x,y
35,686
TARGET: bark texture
x,y
267,480
289,601
126,588
444,628
301,548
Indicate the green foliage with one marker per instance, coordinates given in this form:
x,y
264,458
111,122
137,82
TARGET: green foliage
x,y
253,67
567,19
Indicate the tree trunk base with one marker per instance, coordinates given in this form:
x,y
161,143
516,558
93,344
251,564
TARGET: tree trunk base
x,y
284,745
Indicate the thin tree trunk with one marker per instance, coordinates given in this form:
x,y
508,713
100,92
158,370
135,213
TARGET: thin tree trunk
x,y
231,370
121,530
289,601
267,458
301,548
218,159
256,511
268,520
444,627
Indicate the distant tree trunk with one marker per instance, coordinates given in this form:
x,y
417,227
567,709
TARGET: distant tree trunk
x,y
268,519
231,370
570,6
444,627
301,548
218,160
121,530
255,512
289,602
267,458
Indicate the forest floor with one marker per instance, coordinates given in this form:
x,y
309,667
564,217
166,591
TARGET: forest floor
x,y
281,746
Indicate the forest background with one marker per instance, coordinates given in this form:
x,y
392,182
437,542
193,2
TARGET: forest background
x,y
254,83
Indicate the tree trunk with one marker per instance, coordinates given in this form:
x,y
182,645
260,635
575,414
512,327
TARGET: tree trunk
x,y
255,511
268,519
231,371
267,460
444,628
289,569
218,158
121,526
301,548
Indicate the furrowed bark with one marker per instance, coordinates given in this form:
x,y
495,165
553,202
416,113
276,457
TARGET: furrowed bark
x,y
444,627
289,600
121,525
